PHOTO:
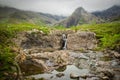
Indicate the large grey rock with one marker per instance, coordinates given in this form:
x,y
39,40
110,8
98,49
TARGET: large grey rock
x,y
46,61
81,40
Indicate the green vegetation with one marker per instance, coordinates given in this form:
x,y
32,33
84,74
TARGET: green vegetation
x,y
23,27
108,34
60,27
7,32
6,57
6,63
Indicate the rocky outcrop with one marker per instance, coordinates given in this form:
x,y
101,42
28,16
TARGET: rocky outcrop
x,y
44,62
81,40
53,41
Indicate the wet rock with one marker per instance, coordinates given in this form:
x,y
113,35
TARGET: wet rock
x,y
61,58
103,63
49,63
92,78
61,69
117,55
112,53
82,63
89,77
60,74
39,56
106,74
73,75
33,66
105,78
46,61
84,76
30,78
40,63
115,63
78,55
51,77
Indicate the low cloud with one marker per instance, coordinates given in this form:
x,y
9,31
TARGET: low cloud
x,y
60,7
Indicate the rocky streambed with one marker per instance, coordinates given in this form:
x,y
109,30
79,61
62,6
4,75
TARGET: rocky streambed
x,y
72,65
41,57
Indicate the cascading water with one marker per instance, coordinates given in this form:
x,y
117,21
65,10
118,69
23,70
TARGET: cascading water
x,y
64,44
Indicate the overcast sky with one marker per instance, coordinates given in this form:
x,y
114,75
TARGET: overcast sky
x,y
59,7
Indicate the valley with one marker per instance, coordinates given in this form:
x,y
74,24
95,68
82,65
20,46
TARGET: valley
x,y
41,46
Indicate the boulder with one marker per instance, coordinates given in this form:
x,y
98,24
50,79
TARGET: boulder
x,y
31,67
45,61
75,40
81,40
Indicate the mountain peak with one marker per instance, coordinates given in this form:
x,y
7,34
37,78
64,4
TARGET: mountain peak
x,y
79,16
79,10
118,6
114,7
110,14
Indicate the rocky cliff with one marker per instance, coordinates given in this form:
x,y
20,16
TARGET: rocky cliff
x,y
53,41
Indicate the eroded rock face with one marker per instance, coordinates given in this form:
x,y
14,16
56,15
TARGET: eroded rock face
x,y
81,40
75,40
45,61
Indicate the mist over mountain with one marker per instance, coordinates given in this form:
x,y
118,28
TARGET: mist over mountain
x,y
110,14
13,15
59,7
80,16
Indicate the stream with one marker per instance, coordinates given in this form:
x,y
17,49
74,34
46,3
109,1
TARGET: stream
x,y
69,69
88,66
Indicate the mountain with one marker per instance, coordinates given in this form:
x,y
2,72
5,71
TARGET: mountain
x,y
110,14
79,16
12,15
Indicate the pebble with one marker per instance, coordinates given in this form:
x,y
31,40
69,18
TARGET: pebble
x,y
60,74
73,75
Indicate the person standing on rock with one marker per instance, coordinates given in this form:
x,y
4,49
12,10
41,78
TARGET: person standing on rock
x,y
64,41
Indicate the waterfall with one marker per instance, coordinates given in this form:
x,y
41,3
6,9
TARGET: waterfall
x,y
64,39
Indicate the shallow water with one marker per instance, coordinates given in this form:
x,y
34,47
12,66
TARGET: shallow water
x,y
83,64
69,69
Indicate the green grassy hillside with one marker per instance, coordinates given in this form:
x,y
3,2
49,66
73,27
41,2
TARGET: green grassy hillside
x,y
7,55
16,16
108,34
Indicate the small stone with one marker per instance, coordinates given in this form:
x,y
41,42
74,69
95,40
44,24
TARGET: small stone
x,y
72,75
60,74
51,77
117,55
105,78
109,74
84,76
